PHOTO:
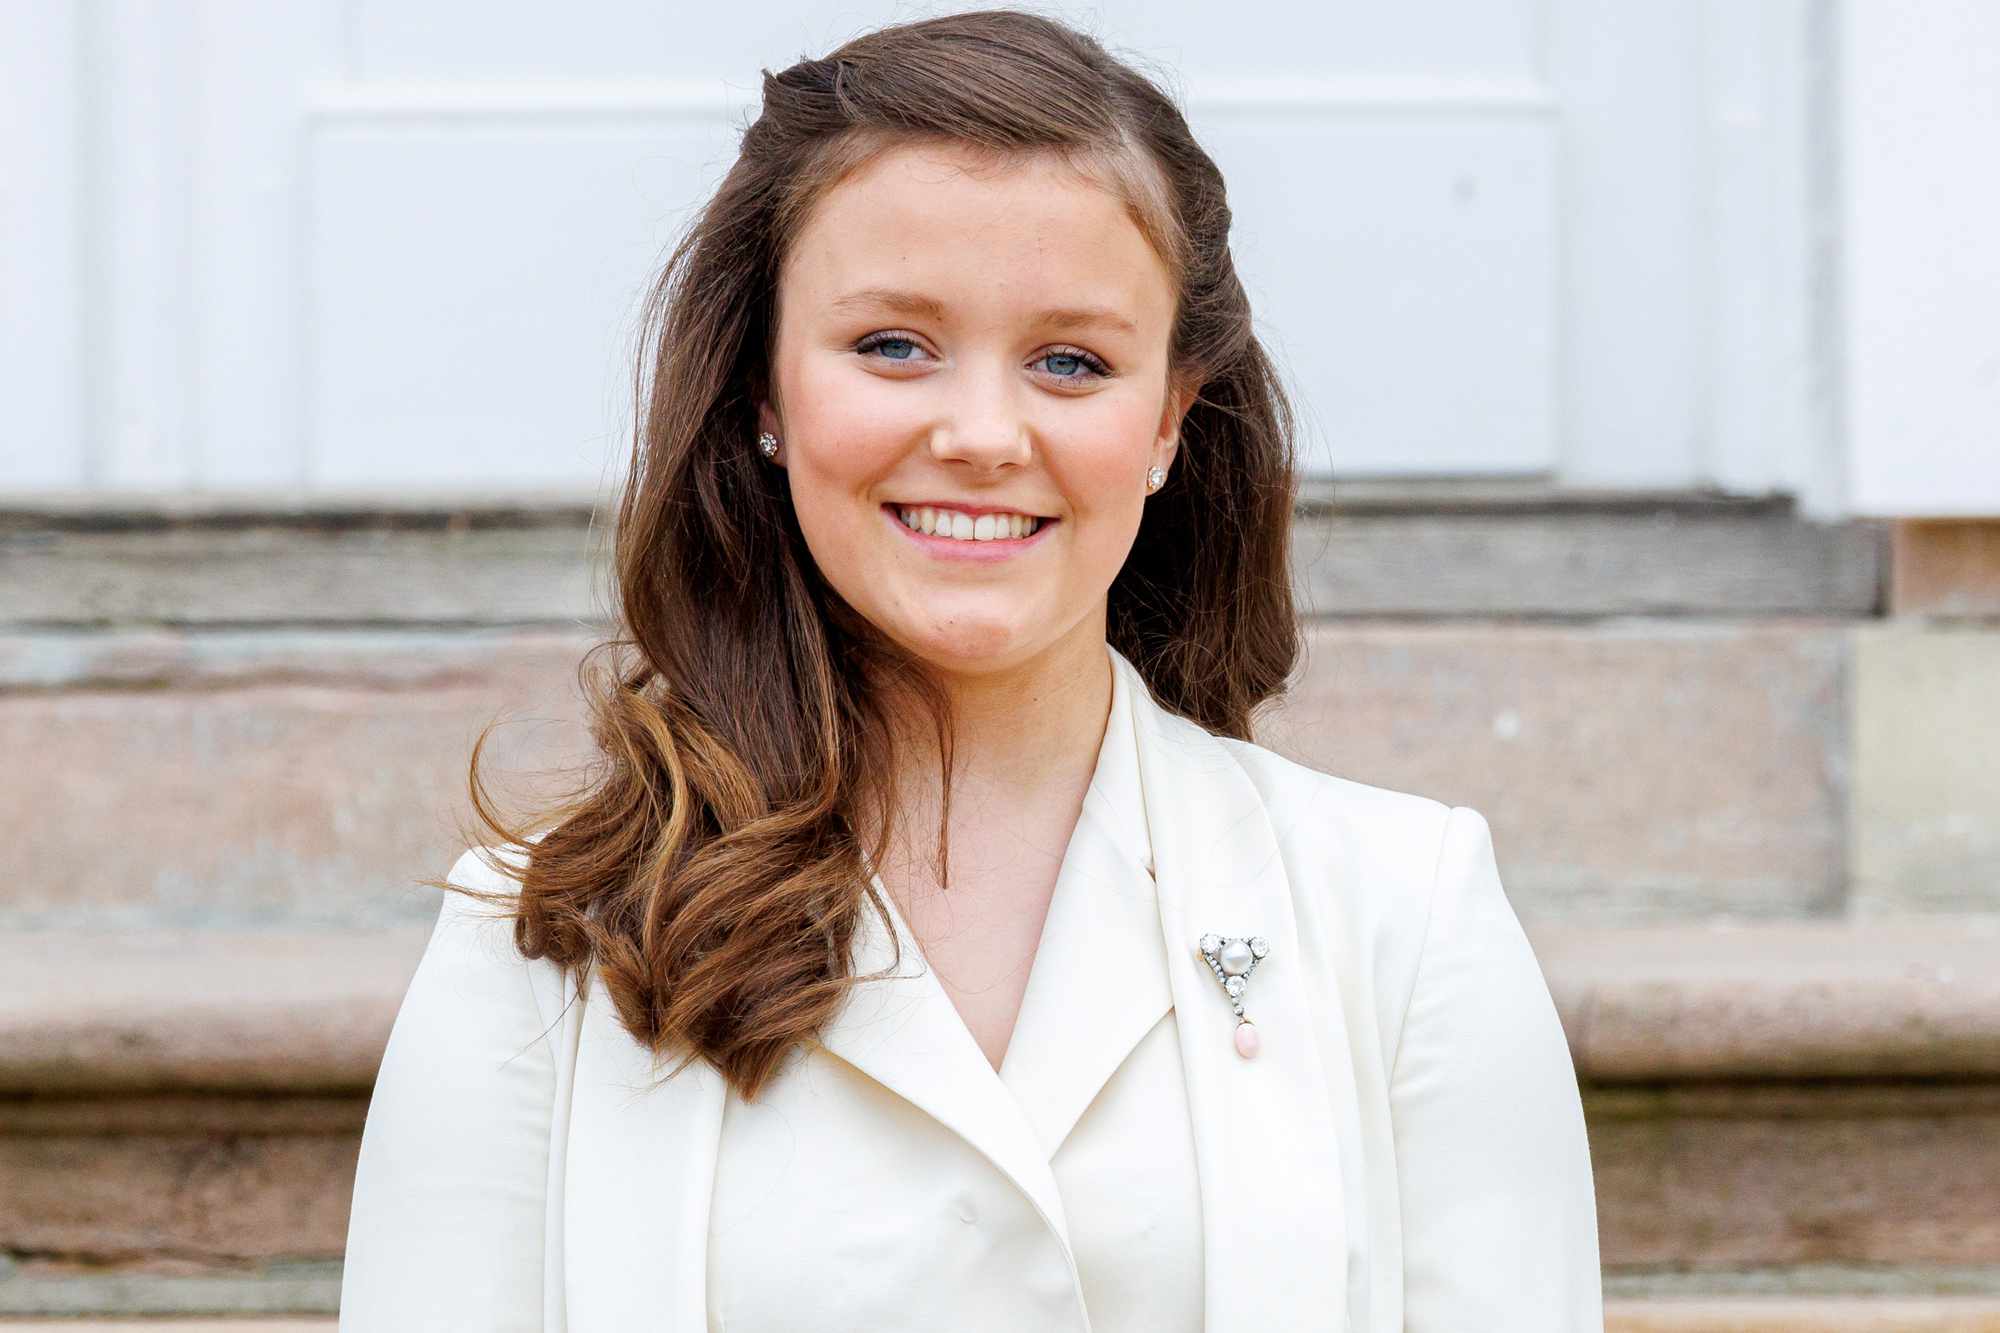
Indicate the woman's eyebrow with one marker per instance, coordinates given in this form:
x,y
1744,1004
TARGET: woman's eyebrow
x,y
927,307
887,298
1086,316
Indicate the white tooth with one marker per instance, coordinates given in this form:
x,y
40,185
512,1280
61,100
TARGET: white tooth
x,y
909,517
961,526
927,519
1029,528
982,528
1013,525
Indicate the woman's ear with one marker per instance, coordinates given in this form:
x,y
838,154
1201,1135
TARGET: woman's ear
x,y
1180,397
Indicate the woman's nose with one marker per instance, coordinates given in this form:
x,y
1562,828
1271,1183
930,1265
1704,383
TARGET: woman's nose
x,y
985,420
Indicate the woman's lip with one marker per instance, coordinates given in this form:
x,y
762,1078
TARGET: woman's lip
x,y
952,548
974,511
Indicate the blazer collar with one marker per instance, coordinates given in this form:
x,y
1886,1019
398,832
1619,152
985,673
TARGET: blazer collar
x,y
1273,1228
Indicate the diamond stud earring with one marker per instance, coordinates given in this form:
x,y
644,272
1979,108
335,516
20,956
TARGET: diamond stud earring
x,y
1156,479
769,444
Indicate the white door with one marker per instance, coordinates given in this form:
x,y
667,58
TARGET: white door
x,y
364,246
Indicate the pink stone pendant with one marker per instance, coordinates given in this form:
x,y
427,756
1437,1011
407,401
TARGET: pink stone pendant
x,y
1232,958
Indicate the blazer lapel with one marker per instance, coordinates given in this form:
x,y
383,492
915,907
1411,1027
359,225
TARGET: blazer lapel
x,y
902,1030
1273,1224
1099,985
1099,982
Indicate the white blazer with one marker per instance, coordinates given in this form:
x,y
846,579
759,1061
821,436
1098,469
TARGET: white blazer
x,y
1406,1153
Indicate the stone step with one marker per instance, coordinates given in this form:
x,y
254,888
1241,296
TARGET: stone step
x,y
1940,1314
1760,1096
1632,772
1946,1314
111,1305
1361,547
1805,1314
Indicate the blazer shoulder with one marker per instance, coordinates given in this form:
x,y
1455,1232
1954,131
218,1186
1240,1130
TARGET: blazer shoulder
x,y
1381,822
473,941
1370,854
1370,866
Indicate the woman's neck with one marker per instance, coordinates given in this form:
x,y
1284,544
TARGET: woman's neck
x,y
1026,743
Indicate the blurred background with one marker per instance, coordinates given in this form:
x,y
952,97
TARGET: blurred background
x,y
1648,357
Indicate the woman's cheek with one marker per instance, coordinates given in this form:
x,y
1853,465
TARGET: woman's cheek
x,y
1109,469
870,420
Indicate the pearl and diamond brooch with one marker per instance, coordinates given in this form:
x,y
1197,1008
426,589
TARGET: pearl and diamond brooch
x,y
1233,958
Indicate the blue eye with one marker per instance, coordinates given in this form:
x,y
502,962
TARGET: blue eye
x,y
877,341
1079,358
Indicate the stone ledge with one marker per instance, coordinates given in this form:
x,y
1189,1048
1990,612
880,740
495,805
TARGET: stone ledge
x,y
146,1300
1723,1176
1437,549
1816,1282
104,510
1632,773
1911,998
268,1303
171,1324
1944,1314
1941,1314
199,1010
161,1011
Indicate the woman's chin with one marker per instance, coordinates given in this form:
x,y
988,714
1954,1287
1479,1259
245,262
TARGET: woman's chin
x,y
969,646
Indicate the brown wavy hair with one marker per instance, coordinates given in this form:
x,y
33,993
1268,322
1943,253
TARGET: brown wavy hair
x,y
710,862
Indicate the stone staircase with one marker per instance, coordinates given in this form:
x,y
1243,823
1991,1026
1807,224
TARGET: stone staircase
x,y
1738,766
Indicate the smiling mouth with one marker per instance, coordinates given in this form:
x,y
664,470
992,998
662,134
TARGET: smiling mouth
x,y
955,525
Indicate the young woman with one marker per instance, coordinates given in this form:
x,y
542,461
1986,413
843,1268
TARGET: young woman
x,y
932,948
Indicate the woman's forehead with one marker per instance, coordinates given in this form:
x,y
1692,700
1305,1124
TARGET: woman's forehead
x,y
930,219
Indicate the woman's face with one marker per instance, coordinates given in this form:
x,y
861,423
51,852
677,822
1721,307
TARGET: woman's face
x,y
972,338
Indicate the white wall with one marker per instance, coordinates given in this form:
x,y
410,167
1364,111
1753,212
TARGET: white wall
x,y
1920,200
350,246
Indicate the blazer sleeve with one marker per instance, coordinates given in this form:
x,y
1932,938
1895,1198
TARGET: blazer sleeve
x,y
1499,1215
446,1227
